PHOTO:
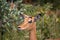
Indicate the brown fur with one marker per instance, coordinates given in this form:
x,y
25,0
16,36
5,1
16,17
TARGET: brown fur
x,y
12,5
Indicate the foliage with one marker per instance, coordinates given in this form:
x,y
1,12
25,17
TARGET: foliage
x,y
54,2
47,26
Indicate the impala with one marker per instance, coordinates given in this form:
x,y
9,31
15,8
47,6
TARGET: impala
x,y
30,25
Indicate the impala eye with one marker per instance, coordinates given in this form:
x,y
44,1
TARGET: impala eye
x,y
30,21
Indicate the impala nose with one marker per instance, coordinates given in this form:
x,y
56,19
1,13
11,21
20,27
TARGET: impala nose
x,y
19,28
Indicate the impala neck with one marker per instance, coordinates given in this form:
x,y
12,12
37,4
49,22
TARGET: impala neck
x,y
32,33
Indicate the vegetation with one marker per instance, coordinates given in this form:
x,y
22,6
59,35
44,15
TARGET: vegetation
x,y
47,27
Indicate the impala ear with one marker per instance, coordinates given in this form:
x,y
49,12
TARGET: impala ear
x,y
23,15
37,17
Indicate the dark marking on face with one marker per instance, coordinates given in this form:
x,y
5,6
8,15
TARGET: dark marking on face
x,y
30,21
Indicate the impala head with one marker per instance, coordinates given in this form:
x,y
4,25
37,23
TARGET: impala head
x,y
28,22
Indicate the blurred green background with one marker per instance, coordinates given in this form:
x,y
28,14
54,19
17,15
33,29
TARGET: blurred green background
x,y
47,27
